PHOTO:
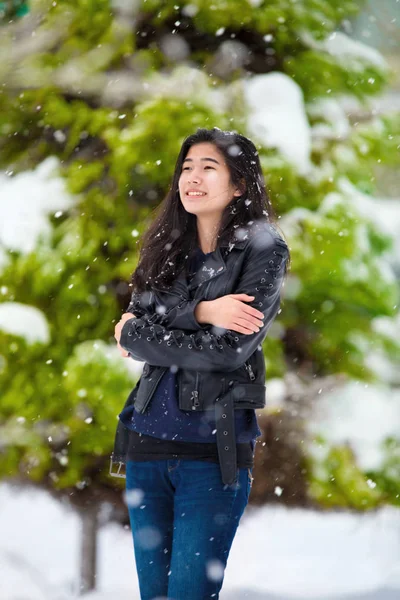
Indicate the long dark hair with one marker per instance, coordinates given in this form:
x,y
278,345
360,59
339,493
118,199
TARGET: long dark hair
x,y
171,238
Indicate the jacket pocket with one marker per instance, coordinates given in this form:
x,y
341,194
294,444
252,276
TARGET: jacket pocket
x,y
248,395
189,389
198,390
195,397
249,370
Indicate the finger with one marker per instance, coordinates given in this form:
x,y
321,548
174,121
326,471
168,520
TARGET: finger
x,y
250,310
247,324
240,329
244,297
250,316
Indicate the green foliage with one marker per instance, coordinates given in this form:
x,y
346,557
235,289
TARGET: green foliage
x,y
279,27
15,8
336,481
344,291
88,25
117,156
297,190
283,18
58,419
387,477
147,150
274,354
318,74
373,143
356,155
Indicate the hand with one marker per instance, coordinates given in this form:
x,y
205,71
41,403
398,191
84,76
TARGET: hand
x,y
231,312
117,331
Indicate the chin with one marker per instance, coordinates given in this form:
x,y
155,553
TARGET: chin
x,y
193,210
195,213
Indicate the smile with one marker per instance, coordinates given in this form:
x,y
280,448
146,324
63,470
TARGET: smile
x,y
195,193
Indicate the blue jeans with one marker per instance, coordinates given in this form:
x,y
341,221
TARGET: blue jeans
x,y
183,521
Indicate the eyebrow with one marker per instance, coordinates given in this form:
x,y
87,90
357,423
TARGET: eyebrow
x,y
211,159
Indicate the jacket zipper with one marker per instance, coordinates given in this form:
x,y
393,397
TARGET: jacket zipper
x,y
195,394
249,370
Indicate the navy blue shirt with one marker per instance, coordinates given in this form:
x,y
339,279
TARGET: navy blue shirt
x,y
164,420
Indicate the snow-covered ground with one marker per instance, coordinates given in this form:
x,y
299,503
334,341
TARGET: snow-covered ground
x,y
278,554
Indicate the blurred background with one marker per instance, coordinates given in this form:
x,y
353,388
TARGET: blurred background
x,y
96,99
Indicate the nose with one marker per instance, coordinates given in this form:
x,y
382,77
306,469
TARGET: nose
x,y
195,175
194,178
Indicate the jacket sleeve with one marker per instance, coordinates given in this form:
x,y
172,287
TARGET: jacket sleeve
x,y
141,304
182,316
211,348
146,306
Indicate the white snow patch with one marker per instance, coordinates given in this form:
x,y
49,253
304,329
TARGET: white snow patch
x,y
111,352
96,351
390,327
346,49
337,123
25,321
383,212
275,392
385,368
326,554
277,117
379,362
359,414
188,84
26,201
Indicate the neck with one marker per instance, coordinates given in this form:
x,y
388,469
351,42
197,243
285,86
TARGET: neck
x,y
207,229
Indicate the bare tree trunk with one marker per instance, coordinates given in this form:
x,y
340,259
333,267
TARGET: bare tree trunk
x,y
88,549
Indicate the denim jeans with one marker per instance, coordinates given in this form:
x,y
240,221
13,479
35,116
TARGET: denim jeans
x,y
183,521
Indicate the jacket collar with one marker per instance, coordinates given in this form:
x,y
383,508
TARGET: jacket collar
x,y
214,264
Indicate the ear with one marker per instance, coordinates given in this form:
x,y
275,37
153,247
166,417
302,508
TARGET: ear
x,y
241,189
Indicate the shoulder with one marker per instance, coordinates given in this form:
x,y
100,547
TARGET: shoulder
x,y
263,237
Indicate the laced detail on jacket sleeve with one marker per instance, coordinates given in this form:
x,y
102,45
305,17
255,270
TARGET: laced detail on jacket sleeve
x,y
177,337
180,315
213,349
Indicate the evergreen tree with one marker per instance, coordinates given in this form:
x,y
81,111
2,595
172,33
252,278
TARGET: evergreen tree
x,y
111,89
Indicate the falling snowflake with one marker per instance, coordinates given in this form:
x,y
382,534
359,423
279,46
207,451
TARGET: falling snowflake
x,y
133,498
215,570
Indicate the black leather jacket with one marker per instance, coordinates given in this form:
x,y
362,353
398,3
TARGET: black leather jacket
x,y
217,369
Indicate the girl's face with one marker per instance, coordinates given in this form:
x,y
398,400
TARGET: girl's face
x,y
204,185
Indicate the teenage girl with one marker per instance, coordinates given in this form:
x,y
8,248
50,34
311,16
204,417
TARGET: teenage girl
x,y
206,290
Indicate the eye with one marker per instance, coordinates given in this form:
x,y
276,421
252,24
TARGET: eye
x,y
206,167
